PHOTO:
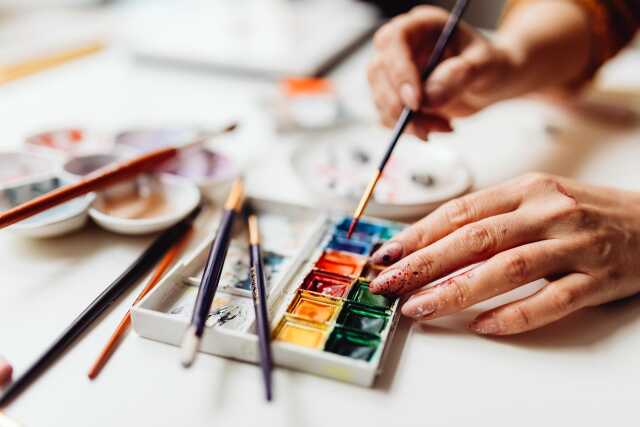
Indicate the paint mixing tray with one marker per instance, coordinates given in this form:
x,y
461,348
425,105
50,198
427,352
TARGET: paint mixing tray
x,y
336,166
323,318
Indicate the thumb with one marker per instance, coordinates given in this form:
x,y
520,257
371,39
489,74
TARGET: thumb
x,y
455,75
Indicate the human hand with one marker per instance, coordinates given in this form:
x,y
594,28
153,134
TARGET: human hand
x,y
584,239
475,72
5,371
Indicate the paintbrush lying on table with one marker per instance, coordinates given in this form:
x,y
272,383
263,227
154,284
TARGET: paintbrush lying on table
x,y
99,180
212,274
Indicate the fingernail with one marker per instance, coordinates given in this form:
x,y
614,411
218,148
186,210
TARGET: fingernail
x,y
388,253
6,371
435,93
418,310
408,96
485,326
385,282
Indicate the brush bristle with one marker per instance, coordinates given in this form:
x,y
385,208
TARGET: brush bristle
x,y
190,345
352,227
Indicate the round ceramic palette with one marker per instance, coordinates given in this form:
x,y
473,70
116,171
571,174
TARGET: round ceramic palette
x,y
18,168
337,166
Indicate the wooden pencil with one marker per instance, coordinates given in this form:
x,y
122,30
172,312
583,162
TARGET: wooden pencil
x,y
89,316
212,274
97,180
124,324
258,290
407,114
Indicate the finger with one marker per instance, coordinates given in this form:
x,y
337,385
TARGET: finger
x,y
502,273
453,76
555,301
447,218
385,98
397,41
5,371
423,124
465,246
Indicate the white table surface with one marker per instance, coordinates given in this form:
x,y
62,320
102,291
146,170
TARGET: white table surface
x,y
581,371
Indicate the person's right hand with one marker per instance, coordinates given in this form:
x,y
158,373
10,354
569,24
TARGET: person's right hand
x,y
474,73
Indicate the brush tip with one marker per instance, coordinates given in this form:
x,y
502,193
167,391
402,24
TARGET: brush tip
x,y
190,346
352,227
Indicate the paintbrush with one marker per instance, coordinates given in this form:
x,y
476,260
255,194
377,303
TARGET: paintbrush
x,y
35,65
258,290
212,272
407,114
131,275
124,324
97,180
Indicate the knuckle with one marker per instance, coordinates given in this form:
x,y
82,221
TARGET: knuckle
x,y
458,212
460,292
522,317
479,240
516,269
565,299
427,11
538,180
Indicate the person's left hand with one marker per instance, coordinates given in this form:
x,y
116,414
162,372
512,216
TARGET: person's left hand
x,y
5,371
585,240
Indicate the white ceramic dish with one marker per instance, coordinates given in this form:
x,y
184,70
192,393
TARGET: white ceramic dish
x,y
68,142
78,167
18,168
337,165
181,193
63,219
211,170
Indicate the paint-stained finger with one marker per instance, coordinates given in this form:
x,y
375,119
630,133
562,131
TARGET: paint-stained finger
x,y
448,218
467,245
501,273
553,302
6,371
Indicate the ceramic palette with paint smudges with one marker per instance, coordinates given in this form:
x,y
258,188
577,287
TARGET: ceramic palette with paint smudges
x,y
337,165
323,318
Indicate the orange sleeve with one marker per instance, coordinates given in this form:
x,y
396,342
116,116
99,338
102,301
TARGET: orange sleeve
x,y
613,25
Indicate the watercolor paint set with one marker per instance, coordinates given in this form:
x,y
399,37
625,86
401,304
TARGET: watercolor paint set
x,y
324,320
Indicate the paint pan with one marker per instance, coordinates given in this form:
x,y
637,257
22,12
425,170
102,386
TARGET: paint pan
x,y
235,273
227,311
326,283
341,263
149,206
349,245
360,294
57,221
364,319
299,332
353,344
314,308
364,227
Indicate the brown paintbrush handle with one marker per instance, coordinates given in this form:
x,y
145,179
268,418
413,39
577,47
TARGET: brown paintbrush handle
x,y
96,181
